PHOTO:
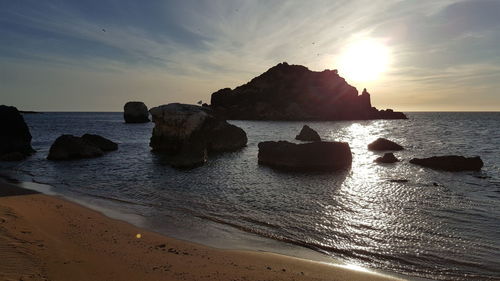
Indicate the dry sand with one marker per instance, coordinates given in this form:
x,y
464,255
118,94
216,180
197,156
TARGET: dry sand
x,y
48,238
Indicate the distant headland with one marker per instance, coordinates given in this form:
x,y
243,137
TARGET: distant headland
x,y
293,92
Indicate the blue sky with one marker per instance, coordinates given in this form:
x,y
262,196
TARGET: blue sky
x,y
96,55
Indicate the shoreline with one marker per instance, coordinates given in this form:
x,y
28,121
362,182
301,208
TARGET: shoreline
x,y
44,236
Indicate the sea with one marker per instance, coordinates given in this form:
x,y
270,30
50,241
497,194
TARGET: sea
x,y
397,218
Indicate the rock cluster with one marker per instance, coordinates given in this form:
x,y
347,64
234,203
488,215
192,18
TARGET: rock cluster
x,y
308,134
187,133
68,147
293,92
452,163
15,137
135,112
314,156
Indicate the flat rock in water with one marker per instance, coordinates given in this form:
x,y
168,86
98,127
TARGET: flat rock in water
x,y
387,158
451,163
308,134
314,156
382,144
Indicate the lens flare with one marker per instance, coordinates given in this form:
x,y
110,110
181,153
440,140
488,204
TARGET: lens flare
x,y
364,60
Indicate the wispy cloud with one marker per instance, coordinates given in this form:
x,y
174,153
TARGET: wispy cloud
x,y
185,50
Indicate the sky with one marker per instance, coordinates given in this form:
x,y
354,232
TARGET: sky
x,y
94,55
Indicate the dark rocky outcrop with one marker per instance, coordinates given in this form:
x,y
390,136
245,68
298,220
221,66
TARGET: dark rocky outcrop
x,y
308,134
382,144
314,156
387,158
452,163
68,147
293,92
103,143
15,136
187,133
135,112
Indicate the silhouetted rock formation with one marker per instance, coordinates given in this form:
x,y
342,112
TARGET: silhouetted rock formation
x,y
15,137
135,112
103,143
387,158
450,163
68,147
187,133
314,156
308,134
382,144
293,92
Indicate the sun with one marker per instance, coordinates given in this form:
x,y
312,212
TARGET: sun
x,y
364,60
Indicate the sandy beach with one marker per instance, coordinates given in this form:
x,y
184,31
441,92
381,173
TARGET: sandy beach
x,y
46,237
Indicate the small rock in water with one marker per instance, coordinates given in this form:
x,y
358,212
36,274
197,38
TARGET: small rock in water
x,y
67,147
387,158
399,180
450,163
135,112
382,144
314,156
308,134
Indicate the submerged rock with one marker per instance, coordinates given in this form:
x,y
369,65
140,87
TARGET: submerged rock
x,y
293,92
382,144
67,147
387,158
308,134
15,136
452,163
314,156
103,143
187,133
135,112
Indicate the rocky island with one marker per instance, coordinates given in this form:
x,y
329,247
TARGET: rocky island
x,y
293,92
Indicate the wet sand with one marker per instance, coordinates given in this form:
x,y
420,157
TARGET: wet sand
x,y
46,237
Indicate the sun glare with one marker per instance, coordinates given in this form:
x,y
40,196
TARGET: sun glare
x,y
364,61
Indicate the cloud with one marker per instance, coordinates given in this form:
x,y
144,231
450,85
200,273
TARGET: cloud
x,y
205,45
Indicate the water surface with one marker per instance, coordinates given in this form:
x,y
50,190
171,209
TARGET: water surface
x,y
438,225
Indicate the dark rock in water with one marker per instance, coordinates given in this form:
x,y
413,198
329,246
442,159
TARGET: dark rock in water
x,y
226,137
103,143
15,135
135,112
387,158
382,144
450,163
314,156
399,180
308,134
293,92
67,147
187,133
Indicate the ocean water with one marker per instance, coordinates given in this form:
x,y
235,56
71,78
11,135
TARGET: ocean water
x,y
438,225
